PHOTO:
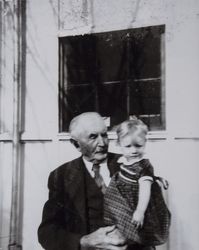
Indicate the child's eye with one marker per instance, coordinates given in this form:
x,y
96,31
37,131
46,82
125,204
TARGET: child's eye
x,y
138,145
128,146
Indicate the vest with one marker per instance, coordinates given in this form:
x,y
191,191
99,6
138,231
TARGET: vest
x,y
94,204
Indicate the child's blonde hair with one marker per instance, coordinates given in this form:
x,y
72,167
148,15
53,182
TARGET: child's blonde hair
x,y
130,126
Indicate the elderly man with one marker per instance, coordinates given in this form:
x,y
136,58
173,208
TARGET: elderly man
x,y
73,215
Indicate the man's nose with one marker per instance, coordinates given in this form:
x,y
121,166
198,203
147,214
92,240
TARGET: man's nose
x,y
101,141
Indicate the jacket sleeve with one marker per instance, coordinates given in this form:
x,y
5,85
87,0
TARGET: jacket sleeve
x,y
53,232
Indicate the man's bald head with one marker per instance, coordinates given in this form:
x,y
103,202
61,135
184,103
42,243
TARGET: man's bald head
x,y
81,123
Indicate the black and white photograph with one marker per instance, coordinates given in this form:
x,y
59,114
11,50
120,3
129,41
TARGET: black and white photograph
x,y
99,124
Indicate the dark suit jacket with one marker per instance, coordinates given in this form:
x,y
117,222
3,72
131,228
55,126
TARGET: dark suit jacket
x,y
64,219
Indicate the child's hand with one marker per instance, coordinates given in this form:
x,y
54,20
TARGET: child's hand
x,y
138,218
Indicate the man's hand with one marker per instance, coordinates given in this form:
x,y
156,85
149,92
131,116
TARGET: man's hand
x,y
162,181
108,238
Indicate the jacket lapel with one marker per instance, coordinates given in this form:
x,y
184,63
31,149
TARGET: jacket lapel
x,y
75,187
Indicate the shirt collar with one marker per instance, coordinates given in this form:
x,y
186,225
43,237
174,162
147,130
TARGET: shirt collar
x,y
122,160
89,164
104,171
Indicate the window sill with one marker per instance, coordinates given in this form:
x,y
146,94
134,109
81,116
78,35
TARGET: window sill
x,y
152,135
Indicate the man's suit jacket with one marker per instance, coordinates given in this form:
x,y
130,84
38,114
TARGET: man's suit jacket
x,y
64,219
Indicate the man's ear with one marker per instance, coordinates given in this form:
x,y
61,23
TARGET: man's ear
x,y
75,143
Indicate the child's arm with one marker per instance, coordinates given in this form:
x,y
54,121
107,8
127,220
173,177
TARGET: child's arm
x,y
143,201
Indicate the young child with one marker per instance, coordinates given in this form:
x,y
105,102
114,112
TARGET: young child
x,y
133,201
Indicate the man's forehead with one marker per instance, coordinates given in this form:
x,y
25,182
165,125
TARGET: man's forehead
x,y
91,125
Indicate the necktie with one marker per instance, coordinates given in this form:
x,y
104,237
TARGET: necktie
x,y
98,178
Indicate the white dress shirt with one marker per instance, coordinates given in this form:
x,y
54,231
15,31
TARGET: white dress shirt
x,y
104,171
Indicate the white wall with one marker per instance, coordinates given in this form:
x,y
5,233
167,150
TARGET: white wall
x,y
5,192
175,156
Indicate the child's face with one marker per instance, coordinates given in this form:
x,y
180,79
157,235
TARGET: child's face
x,y
133,145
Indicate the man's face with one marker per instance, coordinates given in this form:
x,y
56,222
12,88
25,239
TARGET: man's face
x,y
93,140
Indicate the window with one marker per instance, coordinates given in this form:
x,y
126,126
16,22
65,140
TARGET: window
x,y
118,74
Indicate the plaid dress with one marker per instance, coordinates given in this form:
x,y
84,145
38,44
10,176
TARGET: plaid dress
x,y
120,202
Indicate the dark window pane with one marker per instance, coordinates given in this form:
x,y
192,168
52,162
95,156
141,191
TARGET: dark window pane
x,y
146,62
145,97
79,59
112,101
140,106
149,88
144,49
153,122
112,57
75,101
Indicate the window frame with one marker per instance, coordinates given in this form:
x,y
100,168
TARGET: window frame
x,y
159,133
